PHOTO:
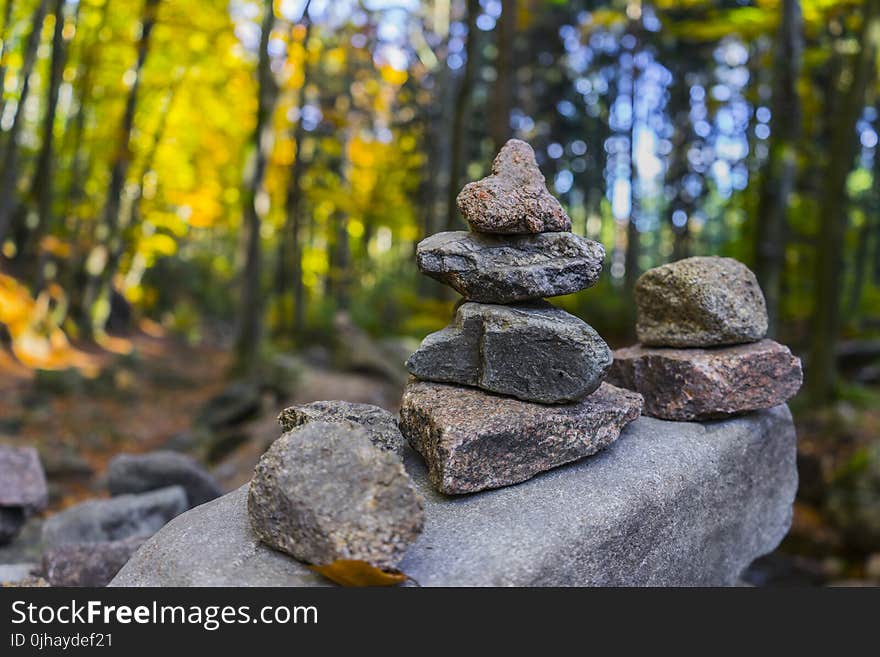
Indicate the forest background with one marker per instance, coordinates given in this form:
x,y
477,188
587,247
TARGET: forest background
x,y
252,178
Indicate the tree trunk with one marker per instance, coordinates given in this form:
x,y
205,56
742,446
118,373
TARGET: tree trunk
x,y
849,92
290,251
502,101
4,48
119,169
43,183
462,104
9,175
780,171
631,256
250,326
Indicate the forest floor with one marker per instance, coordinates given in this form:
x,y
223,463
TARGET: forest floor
x,y
152,400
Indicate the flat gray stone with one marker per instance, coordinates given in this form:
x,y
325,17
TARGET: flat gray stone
x,y
22,480
140,473
380,425
668,504
699,302
703,384
472,440
514,198
126,516
534,352
495,269
323,492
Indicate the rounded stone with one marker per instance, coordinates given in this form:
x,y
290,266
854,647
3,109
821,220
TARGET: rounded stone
x,y
699,302
323,492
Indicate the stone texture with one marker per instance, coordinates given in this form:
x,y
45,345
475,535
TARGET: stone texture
x,y
87,564
22,480
514,198
472,440
699,302
126,516
699,384
534,352
496,269
380,425
323,492
140,473
668,504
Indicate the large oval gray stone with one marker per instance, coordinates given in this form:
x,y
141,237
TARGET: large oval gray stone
x,y
699,302
126,516
323,492
534,352
140,473
493,269
667,504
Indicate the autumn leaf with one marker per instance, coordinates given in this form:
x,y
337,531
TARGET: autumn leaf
x,y
351,572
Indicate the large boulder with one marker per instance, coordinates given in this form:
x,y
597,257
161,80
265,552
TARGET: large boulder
x,y
380,425
472,440
324,492
504,269
534,352
667,504
702,384
514,198
699,302
126,516
140,473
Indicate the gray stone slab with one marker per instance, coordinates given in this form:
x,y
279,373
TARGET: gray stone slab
x,y
668,504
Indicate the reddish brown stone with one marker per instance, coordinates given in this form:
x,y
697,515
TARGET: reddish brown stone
x,y
472,440
703,384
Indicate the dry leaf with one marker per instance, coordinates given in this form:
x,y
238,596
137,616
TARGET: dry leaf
x,y
351,572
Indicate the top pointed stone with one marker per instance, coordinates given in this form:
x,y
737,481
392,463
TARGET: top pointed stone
x,y
514,198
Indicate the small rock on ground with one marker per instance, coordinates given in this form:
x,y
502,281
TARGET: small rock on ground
x,y
140,473
87,564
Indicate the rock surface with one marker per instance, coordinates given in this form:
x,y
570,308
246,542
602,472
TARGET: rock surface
x,y
380,425
699,302
472,440
87,564
514,198
140,473
534,352
323,492
699,384
668,504
494,269
126,516
22,480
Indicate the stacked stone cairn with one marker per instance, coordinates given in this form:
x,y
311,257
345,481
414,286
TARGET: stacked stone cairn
x,y
514,386
702,353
